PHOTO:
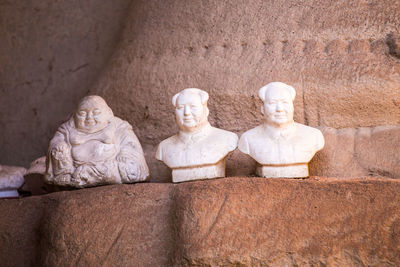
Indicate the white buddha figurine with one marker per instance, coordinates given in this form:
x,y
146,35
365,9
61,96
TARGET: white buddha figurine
x,y
94,148
11,178
280,146
199,150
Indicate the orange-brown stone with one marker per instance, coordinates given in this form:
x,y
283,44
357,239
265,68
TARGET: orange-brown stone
x,y
223,222
278,222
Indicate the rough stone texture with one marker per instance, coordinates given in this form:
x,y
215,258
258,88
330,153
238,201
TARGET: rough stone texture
x,y
221,222
315,222
365,151
393,41
341,56
20,231
50,55
109,226
337,56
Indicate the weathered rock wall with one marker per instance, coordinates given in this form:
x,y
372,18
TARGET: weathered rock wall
x,y
364,151
339,55
223,222
50,55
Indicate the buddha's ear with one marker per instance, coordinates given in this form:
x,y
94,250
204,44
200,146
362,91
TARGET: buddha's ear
x,y
110,113
207,111
262,109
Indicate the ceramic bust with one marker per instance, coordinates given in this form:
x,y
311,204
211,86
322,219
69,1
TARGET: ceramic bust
x,y
199,150
280,146
94,148
11,178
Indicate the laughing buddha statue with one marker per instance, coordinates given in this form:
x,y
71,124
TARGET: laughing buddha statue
x,y
95,148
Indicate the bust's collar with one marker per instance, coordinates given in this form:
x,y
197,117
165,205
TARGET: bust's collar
x,y
277,133
193,137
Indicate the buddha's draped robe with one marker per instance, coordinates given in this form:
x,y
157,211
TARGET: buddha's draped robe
x,y
111,155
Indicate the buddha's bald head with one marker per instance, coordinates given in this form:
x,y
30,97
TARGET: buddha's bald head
x,y
92,114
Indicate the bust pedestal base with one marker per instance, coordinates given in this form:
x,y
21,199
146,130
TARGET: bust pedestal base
x,y
283,171
198,173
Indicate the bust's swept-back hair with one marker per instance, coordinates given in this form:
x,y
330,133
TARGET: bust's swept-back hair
x,y
203,95
283,86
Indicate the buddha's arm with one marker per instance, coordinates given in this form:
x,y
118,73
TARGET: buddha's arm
x,y
59,156
131,161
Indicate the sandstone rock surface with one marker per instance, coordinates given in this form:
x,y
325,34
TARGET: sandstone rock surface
x,y
339,56
109,226
315,222
222,222
51,54
364,151
20,224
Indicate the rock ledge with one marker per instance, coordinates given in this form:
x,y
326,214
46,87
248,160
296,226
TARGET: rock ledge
x,y
228,221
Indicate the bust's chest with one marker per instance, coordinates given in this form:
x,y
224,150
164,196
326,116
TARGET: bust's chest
x,y
186,154
282,150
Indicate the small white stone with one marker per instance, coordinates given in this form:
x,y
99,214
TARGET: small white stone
x,y
199,150
11,178
37,166
281,147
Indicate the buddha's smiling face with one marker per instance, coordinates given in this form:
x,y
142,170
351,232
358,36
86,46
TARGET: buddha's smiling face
x,y
92,115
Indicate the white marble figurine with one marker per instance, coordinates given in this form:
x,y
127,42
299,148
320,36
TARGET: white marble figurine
x,y
11,178
95,148
280,146
199,150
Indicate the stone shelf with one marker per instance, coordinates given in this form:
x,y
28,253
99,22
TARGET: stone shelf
x,y
227,221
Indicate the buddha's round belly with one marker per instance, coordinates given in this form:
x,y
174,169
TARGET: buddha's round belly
x,y
93,151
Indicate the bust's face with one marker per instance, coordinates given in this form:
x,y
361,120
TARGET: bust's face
x,y
278,107
91,116
190,113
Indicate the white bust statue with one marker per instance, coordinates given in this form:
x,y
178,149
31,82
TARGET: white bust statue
x,y
94,148
281,147
199,150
